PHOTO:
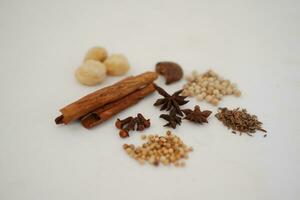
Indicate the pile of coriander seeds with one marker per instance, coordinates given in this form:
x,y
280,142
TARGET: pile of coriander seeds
x,y
168,149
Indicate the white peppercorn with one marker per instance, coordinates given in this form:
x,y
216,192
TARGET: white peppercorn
x,y
209,87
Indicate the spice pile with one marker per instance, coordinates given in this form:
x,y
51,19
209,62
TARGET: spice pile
x,y
101,105
97,64
172,103
138,123
209,86
168,149
240,120
196,115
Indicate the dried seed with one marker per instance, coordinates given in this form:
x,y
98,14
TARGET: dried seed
x,y
239,120
172,150
213,86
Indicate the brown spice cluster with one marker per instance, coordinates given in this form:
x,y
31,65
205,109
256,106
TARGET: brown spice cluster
x,y
168,149
171,103
138,123
240,120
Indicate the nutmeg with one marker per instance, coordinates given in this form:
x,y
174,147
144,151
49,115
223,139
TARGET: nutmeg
x,y
170,70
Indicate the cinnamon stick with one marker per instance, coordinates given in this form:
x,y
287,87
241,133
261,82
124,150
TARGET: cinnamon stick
x,y
104,113
104,96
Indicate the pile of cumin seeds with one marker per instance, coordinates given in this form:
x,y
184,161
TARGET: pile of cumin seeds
x,y
239,120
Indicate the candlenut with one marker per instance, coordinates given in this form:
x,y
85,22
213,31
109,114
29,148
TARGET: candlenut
x,y
116,64
91,72
96,53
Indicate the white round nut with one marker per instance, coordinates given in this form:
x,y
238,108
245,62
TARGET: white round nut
x,y
203,94
214,101
215,91
96,53
116,64
208,98
91,72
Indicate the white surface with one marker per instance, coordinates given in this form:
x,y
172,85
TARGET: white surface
x,y
253,43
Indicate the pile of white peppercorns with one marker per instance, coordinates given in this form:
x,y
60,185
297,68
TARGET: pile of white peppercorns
x,y
209,86
167,150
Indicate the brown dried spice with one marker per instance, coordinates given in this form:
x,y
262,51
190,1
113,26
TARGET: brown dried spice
x,y
167,150
197,115
240,120
138,123
172,119
170,70
172,104
169,102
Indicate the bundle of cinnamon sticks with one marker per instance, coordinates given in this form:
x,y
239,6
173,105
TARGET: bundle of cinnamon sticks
x,y
104,103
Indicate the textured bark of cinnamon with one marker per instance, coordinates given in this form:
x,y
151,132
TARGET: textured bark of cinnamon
x,y
104,96
102,114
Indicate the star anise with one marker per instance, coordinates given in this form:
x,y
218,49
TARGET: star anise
x,y
169,102
172,118
197,115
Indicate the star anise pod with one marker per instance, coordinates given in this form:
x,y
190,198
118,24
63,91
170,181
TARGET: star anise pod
x,y
169,102
197,115
172,118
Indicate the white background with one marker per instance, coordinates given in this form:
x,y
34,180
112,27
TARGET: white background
x,y
253,43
